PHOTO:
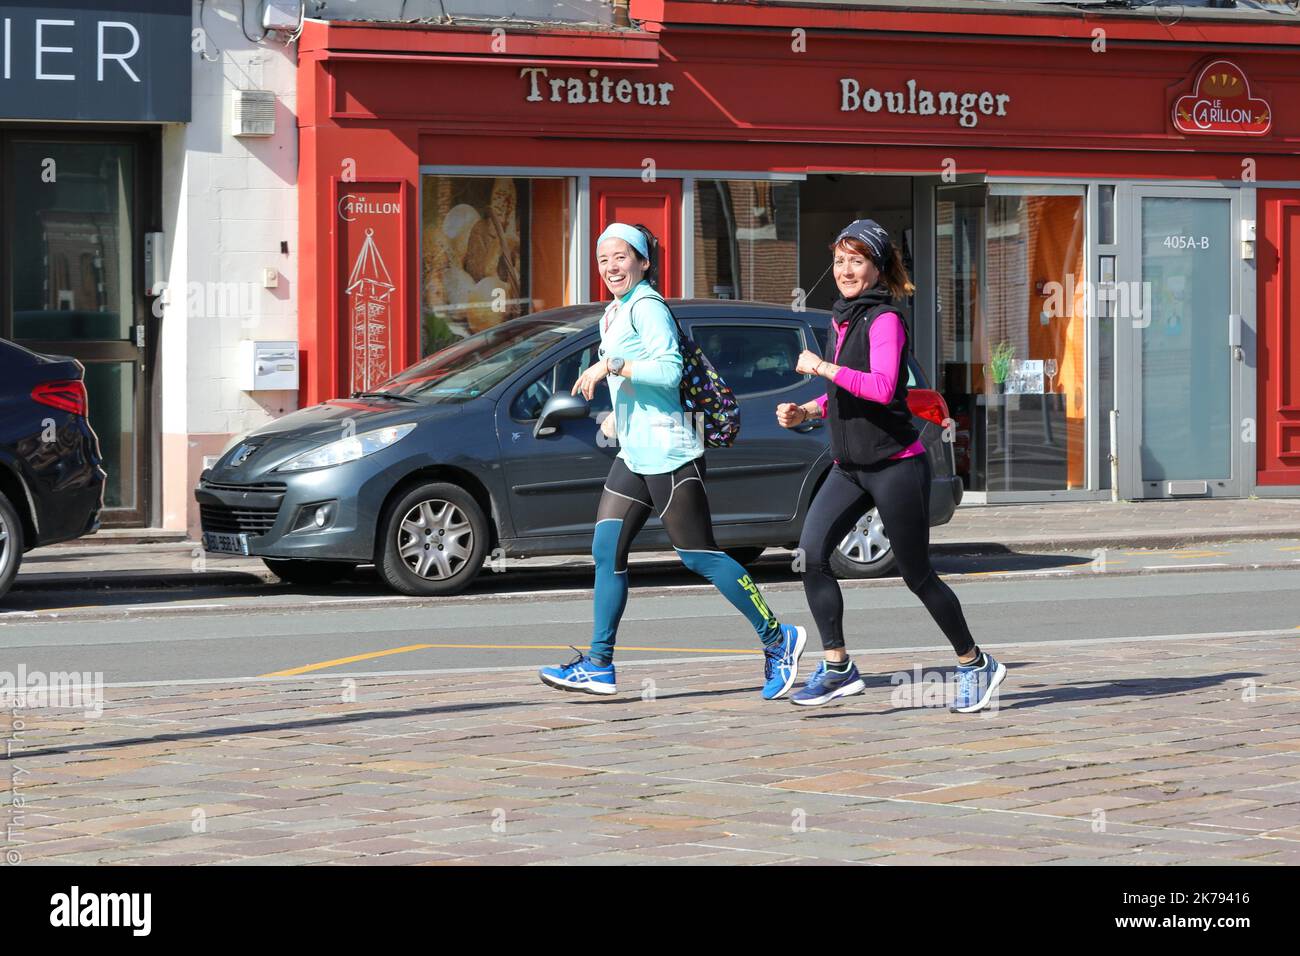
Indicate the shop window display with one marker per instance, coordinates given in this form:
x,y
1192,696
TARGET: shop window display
x,y
492,249
746,240
1011,307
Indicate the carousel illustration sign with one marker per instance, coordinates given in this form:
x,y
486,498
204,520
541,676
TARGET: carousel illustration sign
x,y
370,233
370,292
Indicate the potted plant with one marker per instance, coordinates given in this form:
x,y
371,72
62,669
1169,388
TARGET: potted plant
x,y
1000,364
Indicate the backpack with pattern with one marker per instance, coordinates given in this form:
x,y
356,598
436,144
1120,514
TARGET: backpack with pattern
x,y
704,393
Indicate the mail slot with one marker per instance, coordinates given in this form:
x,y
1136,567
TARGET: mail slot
x,y
268,366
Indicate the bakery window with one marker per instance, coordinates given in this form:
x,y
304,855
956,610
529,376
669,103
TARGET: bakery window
x,y
492,248
746,240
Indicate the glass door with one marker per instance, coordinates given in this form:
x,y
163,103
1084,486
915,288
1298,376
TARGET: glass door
x,y
959,297
1183,333
72,280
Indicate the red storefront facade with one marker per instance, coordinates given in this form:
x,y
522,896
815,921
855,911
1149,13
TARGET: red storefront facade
x,y
1103,226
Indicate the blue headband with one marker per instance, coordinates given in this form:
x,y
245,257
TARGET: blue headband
x,y
633,237
871,233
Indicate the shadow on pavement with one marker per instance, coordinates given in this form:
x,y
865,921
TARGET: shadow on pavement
x,y
316,723
1060,694
237,730
1105,690
1088,690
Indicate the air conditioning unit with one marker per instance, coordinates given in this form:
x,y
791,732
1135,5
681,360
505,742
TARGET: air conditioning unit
x,y
252,113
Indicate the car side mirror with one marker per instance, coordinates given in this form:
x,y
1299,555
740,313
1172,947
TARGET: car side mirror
x,y
557,408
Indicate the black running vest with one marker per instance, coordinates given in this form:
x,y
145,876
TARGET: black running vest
x,y
863,432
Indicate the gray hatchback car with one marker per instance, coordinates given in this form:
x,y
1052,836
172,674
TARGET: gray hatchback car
x,y
479,453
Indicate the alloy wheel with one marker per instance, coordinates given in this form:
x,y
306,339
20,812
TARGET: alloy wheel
x,y
866,542
435,539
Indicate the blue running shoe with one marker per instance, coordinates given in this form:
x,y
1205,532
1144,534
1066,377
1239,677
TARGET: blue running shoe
x,y
781,661
825,685
581,675
977,685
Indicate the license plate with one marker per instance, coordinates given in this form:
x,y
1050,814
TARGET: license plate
x,y
224,543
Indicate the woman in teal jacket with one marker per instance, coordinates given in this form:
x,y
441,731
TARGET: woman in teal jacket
x,y
659,469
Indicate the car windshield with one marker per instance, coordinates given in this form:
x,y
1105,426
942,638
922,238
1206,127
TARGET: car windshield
x,y
469,368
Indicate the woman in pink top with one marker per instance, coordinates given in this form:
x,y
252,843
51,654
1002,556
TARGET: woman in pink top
x,y
879,462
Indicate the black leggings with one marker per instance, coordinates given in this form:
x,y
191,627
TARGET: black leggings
x,y
683,506
678,496
900,491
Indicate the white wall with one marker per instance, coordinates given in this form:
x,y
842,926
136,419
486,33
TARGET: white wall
x,y
228,204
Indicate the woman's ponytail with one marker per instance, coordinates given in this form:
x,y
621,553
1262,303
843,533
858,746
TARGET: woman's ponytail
x,y
652,265
895,276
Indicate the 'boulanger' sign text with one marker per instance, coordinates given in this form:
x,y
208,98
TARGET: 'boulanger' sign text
x,y
913,100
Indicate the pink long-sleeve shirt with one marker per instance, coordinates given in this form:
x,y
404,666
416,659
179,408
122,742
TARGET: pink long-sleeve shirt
x,y
887,338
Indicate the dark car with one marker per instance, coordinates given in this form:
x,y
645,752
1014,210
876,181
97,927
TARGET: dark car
x,y
51,473
478,453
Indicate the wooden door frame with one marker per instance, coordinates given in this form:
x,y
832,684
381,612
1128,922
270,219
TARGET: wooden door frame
x,y
670,244
1274,205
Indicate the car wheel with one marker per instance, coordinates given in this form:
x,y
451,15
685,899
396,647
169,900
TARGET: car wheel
x,y
298,571
745,556
434,540
865,552
11,544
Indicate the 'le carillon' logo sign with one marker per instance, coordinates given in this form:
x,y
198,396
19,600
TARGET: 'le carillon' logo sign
x,y
1220,103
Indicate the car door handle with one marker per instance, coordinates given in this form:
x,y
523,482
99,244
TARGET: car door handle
x,y
809,426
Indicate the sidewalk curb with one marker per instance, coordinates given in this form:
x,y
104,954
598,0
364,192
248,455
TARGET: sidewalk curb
x,y
1113,539
126,580
268,603
151,579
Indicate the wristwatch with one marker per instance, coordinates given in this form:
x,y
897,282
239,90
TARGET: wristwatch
x,y
616,366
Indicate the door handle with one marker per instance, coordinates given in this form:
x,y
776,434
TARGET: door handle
x,y
1234,337
808,426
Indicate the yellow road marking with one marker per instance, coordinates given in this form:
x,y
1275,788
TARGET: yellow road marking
x,y
345,660
1290,547
1158,553
307,668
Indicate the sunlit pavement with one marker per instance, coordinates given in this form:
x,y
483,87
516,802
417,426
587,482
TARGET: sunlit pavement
x,y
1124,751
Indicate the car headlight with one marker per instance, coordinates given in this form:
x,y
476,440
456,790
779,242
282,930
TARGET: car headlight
x,y
348,449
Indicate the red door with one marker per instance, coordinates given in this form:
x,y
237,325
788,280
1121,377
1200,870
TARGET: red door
x,y
657,206
1278,253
